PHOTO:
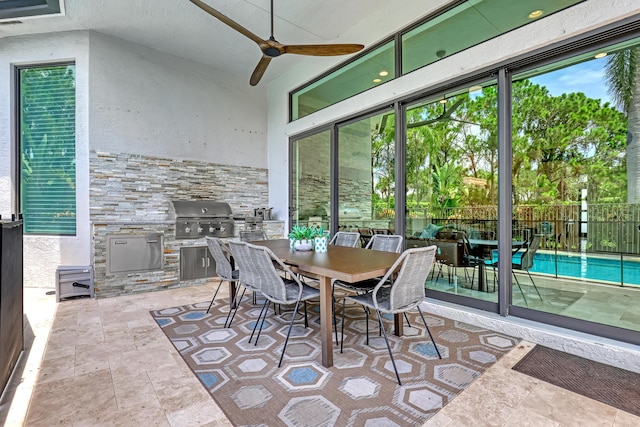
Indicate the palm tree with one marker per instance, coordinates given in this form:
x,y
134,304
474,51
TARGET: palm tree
x,y
623,79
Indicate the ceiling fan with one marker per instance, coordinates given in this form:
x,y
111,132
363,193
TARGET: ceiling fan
x,y
271,48
446,115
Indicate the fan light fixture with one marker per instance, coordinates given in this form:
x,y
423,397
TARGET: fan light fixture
x,y
536,14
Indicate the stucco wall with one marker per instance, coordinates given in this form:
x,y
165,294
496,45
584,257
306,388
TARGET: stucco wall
x,y
150,103
43,254
135,100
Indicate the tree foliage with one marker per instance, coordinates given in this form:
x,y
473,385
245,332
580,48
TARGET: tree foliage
x,y
557,141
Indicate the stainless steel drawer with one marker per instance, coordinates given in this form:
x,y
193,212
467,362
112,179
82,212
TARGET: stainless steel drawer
x,y
128,253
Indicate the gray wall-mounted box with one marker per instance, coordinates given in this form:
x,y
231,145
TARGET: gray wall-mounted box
x,y
74,281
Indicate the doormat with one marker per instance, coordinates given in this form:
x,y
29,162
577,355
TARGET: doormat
x,y
360,389
607,384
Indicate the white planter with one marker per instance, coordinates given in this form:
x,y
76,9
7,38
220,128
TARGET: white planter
x,y
303,245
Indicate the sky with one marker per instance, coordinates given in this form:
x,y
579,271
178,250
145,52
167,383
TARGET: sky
x,y
586,77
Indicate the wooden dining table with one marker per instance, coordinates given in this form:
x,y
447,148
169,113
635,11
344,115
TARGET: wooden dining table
x,y
339,262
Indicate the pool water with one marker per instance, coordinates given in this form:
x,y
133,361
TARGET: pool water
x,y
587,267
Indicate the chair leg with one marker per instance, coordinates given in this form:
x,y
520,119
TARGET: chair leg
x,y
534,285
520,287
236,304
342,326
366,321
284,348
386,340
333,311
429,332
265,310
306,321
407,319
214,295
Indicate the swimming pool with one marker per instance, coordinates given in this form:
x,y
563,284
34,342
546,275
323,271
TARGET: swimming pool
x,y
587,267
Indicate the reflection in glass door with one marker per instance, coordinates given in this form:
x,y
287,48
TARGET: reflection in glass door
x,y
575,187
451,182
366,176
311,167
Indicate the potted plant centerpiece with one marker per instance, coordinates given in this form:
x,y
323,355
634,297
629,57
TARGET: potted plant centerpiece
x,y
301,237
321,240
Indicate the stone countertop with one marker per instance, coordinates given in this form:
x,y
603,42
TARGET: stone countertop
x,y
134,222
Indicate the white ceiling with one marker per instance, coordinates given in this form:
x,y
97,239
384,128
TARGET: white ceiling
x,y
180,28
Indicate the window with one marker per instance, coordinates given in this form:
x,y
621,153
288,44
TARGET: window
x,y
47,149
10,9
311,172
366,72
366,174
460,25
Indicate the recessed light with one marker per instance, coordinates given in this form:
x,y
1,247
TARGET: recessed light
x,y
536,14
384,73
443,101
377,80
600,55
475,89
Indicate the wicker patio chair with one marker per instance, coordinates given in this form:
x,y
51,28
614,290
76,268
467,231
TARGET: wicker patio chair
x,y
378,242
405,293
346,238
253,235
525,263
224,270
256,264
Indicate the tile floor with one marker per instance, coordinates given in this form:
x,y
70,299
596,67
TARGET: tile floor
x,y
105,363
586,300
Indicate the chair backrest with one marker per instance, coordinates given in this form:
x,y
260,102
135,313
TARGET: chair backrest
x,y
223,266
450,252
257,270
253,235
346,238
385,242
526,262
407,290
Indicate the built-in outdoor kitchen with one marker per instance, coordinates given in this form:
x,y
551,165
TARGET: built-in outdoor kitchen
x,y
150,217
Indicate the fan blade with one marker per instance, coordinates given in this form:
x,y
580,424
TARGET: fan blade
x,y
233,24
322,49
260,69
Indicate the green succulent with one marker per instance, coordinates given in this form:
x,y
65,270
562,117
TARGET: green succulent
x,y
302,232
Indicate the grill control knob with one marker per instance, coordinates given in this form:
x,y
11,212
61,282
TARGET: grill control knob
x,y
200,230
222,228
211,229
187,229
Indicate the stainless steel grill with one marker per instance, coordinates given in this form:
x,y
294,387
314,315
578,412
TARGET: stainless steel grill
x,y
200,218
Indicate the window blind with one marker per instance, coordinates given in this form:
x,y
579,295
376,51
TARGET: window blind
x,y
47,149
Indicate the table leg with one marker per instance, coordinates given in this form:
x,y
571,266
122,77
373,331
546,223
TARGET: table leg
x,y
481,283
398,323
326,322
232,294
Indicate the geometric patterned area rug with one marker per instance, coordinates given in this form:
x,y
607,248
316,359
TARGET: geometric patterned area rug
x,y
605,383
360,389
